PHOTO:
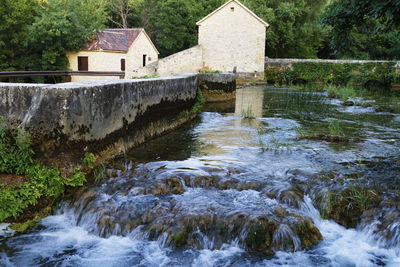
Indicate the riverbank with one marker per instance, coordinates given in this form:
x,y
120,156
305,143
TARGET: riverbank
x,y
210,194
368,75
76,128
29,189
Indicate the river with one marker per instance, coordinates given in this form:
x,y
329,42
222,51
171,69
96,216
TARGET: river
x,y
235,187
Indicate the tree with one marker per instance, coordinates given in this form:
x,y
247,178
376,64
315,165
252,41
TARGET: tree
x,y
16,16
62,26
364,28
121,10
172,23
294,30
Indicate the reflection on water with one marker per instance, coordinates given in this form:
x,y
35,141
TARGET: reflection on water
x,y
201,195
249,100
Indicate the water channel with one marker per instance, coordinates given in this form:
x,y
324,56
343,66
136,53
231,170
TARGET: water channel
x,y
235,187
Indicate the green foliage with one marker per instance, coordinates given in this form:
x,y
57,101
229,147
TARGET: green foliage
x,y
36,35
248,114
364,29
342,92
215,92
335,73
196,109
334,127
172,23
209,71
199,103
147,77
294,32
302,105
89,159
77,179
42,182
99,173
274,144
62,26
16,17
15,152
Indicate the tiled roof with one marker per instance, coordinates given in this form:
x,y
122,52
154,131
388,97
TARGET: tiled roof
x,y
114,39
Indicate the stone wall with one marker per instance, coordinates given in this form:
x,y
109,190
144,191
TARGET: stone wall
x,y
141,46
218,81
218,87
187,61
288,62
104,117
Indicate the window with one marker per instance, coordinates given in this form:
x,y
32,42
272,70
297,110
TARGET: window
x,y
83,63
232,9
144,60
122,64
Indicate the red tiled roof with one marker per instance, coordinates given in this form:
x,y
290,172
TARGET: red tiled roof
x,y
114,39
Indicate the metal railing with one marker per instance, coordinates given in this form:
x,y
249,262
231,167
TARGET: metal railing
x,y
9,74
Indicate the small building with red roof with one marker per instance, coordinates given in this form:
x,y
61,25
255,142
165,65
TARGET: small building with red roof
x,y
114,50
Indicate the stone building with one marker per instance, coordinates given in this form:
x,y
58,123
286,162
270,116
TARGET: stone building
x,y
231,37
114,50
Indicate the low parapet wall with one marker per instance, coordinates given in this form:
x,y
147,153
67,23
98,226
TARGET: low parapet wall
x,y
186,61
99,116
218,87
287,62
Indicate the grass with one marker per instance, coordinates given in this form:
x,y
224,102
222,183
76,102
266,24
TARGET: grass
x,y
301,105
274,144
334,127
209,71
147,76
196,109
99,173
342,92
248,114
215,92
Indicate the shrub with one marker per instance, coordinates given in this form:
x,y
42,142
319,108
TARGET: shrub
x,y
16,157
337,74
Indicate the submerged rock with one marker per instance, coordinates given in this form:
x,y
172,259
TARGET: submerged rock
x,y
348,103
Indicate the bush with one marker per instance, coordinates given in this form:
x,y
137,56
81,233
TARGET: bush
x,y
334,73
42,182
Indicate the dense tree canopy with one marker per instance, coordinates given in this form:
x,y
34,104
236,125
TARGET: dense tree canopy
x,y
16,16
366,29
36,34
58,30
294,30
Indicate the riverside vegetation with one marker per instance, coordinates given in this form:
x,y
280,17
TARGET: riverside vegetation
x,y
369,81
206,194
40,183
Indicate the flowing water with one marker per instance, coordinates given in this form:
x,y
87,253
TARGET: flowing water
x,y
226,190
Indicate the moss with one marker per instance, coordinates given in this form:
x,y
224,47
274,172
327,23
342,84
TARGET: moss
x,y
308,234
347,206
180,239
215,92
259,237
24,227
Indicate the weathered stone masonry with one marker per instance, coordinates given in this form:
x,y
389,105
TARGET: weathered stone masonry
x,y
104,117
